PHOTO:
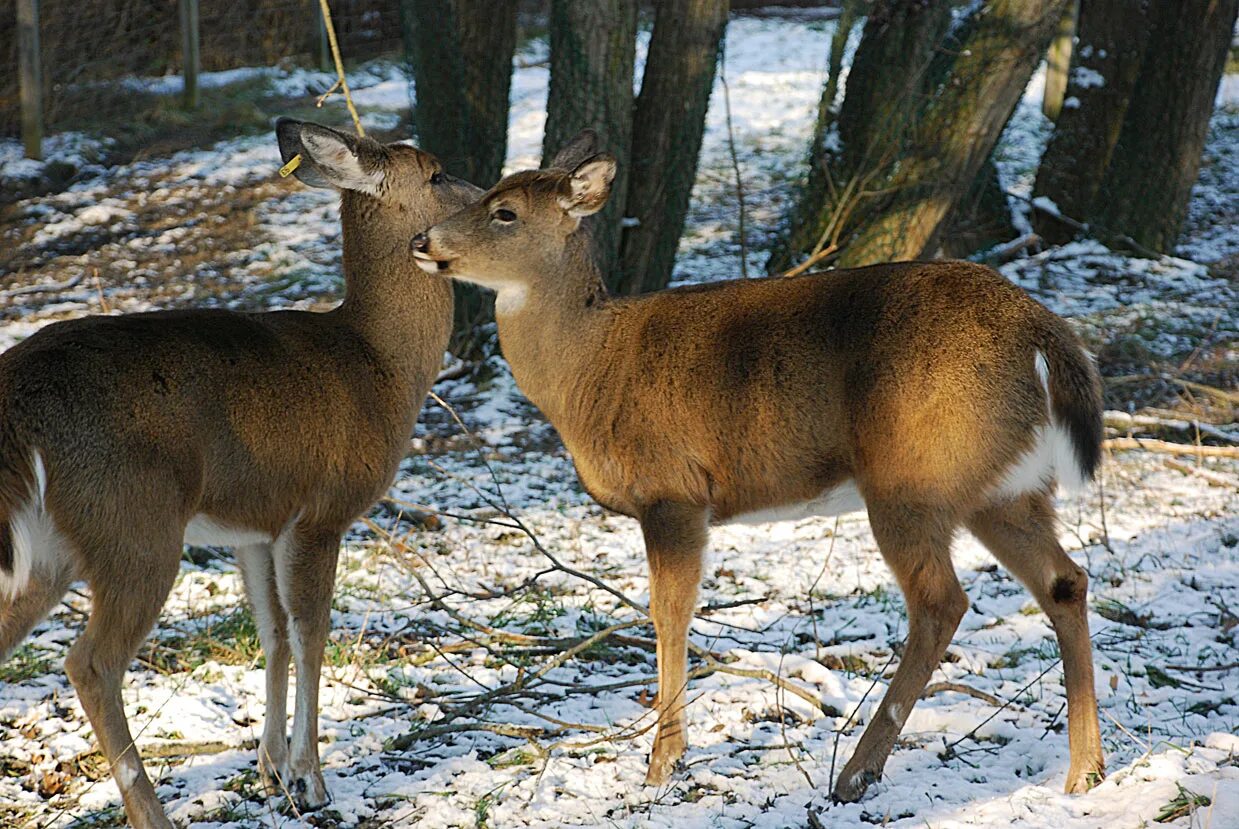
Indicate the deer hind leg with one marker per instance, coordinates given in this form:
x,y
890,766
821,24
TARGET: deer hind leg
x,y
305,571
128,590
675,539
916,544
258,573
1021,535
22,612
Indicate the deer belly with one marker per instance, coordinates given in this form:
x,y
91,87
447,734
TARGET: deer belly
x,y
205,531
837,500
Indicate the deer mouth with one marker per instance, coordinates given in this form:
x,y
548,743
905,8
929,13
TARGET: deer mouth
x,y
429,264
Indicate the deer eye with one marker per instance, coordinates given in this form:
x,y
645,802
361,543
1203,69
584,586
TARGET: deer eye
x,y
437,178
503,215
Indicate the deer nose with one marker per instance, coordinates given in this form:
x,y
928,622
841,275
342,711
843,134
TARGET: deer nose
x,y
420,243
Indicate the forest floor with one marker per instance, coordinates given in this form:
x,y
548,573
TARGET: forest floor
x,y
449,622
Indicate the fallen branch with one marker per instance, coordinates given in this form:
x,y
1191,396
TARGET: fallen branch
x,y
959,688
1004,253
1203,668
1145,422
43,287
1168,448
1211,478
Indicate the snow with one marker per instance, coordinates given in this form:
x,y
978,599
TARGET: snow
x,y
1086,77
810,600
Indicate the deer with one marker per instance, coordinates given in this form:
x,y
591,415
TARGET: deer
x,y
122,438
935,395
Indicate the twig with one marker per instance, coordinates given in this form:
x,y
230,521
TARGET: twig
x,y
811,261
735,161
455,371
43,287
335,53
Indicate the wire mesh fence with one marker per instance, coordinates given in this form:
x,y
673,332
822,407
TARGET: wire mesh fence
x,y
105,58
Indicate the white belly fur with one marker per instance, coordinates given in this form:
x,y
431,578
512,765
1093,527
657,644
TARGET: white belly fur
x,y
205,531
838,500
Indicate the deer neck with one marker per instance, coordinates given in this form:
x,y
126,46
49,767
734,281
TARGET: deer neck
x,y
403,313
551,330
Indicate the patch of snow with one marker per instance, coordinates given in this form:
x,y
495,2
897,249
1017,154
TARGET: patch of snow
x,y
1085,77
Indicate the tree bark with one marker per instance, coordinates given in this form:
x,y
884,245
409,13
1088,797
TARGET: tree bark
x,y
956,133
885,86
593,46
1113,36
666,137
1147,185
461,55
982,218
460,52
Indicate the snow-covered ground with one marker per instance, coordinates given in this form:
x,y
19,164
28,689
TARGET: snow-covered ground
x,y
424,617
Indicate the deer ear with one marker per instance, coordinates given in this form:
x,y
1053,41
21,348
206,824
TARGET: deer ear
x,y
336,158
579,147
589,186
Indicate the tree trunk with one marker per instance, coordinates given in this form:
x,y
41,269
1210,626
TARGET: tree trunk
x,y
460,52
461,55
1147,185
982,218
666,137
885,86
1058,62
593,46
1105,64
956,133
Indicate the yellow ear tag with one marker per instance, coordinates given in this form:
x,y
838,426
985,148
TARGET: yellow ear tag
x,y
293,163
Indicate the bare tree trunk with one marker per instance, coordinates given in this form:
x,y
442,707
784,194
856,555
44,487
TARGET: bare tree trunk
x,y
460,52
1113,35
884,90
593,45
1147,185
461,55
956,133
666,137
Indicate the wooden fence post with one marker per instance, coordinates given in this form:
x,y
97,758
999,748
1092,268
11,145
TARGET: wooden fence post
x,y
189,51
30,67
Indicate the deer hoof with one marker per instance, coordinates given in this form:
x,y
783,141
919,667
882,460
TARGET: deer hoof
x,y
851,785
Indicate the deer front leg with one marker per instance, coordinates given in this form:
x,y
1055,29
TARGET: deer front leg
x,y
675,538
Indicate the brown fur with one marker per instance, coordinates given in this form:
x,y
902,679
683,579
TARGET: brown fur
x,y
915,381
288,423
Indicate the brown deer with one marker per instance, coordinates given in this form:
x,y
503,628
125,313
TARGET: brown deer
x,y
937,395
122,438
